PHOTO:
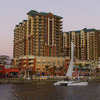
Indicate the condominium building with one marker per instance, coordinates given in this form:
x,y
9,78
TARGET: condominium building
x,y
39,42
86,44
40,35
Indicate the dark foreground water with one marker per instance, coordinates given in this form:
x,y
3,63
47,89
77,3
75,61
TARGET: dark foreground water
x,y
47,91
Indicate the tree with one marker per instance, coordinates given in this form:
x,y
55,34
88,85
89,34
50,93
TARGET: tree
x,y
54,69
61,69
87,65
80,66
46,66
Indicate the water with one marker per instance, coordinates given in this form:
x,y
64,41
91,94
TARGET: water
x,y
47,91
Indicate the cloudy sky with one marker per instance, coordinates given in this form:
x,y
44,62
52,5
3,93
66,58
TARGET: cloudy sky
x,y
77,14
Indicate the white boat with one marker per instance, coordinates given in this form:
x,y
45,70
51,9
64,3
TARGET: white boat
x,y
69,74
71,83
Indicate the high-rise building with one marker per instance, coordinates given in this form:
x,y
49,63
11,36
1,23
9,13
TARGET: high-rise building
x,y
20,39
86,44
40,35
38,42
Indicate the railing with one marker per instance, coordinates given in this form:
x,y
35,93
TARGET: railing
x,y
24,65
31,61
24,60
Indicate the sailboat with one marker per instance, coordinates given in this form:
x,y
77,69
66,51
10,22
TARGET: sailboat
x,y
69,74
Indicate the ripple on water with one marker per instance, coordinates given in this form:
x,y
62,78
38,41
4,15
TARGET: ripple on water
x,y
47,91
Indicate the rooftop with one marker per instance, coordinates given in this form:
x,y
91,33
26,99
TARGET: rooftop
x,y
34,13
17,25
85,30
24,20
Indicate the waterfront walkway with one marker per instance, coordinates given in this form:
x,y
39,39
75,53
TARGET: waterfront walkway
x,y
39,79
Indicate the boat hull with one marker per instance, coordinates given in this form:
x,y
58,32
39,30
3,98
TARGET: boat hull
x,y
71,83
78,84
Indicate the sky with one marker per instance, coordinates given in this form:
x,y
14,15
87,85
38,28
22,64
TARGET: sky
x,y
77,14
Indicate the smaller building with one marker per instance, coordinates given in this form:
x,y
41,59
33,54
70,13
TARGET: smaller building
x,y
1,70
30,65
6,67
11,71
86,44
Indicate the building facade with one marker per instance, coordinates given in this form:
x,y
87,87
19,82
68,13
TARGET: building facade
x,y
40,35
86,44
40,42
38,38
30,64
6,67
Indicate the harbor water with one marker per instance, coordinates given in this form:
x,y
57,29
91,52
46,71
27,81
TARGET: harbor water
x,y
47,91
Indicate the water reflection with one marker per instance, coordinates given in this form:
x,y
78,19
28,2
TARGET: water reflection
x,y
47,91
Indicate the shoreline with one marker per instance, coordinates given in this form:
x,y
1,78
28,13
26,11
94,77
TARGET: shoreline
x,y
30,81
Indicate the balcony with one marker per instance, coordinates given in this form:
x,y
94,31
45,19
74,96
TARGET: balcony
x,y
38,24
24,60
58,21
32,65
24,65
36,53
59,27
58,24
36,47
41,40
41,30
31,61
35,30
58,30
35,34
36,40
58,40
41,34
41,24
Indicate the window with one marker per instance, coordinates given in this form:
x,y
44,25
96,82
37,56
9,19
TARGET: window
x,y
43,62
48,62
58,62
53,63
38,61
63,62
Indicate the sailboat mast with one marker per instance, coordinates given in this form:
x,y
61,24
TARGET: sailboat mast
x,y
70,69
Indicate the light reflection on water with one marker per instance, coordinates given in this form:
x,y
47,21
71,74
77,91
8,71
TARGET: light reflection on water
x,y
47,91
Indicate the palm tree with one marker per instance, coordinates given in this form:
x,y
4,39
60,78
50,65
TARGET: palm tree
x,y
46,66
36,72
54,68
61,68
80,67
87,65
